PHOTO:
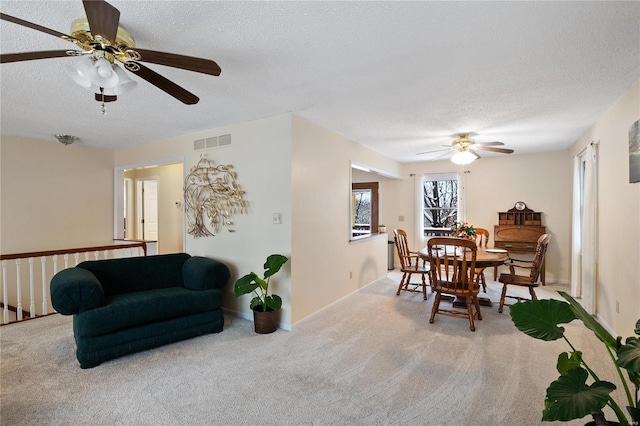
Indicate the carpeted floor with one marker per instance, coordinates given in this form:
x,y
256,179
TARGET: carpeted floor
x,y
371,358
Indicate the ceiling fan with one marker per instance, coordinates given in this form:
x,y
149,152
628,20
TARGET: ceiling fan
x,y
464,149
103,45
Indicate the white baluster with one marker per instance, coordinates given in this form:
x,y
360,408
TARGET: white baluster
x,y
105,255
96,255
45,305
19,288
55,264
86,255
77,258
32,296
5,295
66,260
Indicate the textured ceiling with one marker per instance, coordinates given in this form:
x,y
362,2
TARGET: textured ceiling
x,y
399,77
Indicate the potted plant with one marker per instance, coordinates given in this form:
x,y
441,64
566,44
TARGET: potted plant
x,y
265,306
570,397
382,229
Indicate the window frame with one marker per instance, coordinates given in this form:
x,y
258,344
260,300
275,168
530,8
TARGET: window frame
x,y
436,177
373,187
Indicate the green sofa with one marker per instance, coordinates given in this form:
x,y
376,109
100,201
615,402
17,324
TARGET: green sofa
x,y
121,306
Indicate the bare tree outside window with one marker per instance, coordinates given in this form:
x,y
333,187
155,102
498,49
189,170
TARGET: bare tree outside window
x,y
362,207
440,203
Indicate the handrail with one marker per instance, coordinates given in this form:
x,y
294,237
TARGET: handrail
x,y
141,244
20,271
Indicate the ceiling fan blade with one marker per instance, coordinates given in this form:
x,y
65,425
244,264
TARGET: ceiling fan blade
x,y
103,18
495,143
492,149
163,83
29,56
435,150
33,26
205,66
441,155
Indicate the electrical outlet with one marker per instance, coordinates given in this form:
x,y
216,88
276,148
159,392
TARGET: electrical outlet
x,y
617,307
277,218
350,275
400,218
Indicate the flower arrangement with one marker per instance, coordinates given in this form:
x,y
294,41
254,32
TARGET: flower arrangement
x,y
464,230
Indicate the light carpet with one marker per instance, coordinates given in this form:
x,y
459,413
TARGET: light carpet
x,y
371,358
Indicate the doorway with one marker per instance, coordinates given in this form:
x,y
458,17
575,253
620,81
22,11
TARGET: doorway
x,y
584,268
169,228
147,205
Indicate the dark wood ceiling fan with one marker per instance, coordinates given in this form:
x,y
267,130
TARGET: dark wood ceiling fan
x,y
100,37
464,144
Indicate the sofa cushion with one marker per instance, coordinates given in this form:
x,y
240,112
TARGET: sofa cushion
x,y
130,310
118,276
201,273
75,290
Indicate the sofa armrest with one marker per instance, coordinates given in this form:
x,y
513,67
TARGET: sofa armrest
x,y
75,290
201,273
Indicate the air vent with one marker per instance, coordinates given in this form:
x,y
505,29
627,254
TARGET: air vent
x,y
224,140
199,144
212,142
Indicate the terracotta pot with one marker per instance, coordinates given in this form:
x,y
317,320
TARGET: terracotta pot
x,y
265,322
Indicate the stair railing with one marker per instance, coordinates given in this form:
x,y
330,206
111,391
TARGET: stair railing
x,y
45,265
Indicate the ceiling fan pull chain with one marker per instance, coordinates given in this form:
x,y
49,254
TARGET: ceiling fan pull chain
x,y
103,108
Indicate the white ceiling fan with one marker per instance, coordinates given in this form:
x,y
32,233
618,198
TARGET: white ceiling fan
x,y
464,149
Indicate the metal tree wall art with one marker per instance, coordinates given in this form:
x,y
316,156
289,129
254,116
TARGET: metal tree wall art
x,y
212,190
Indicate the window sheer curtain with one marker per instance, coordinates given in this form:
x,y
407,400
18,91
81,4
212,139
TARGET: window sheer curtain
x,y
584,262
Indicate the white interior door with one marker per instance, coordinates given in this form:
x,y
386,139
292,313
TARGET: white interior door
x,y
147,190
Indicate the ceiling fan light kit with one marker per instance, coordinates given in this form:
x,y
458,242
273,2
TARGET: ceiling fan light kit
x,y
463,157
104,43
66,139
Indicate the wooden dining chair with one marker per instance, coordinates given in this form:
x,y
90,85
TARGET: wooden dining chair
x,y
410,264
482,240
452,273
531,280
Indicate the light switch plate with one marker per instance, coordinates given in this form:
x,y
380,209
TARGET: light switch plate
x,y
277,218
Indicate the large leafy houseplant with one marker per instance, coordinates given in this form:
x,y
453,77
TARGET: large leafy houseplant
x,y
570,397
252,283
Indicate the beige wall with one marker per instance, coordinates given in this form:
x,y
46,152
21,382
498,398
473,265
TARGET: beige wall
x,y
618,276
54,196
289,165
327,265
492,184
170,214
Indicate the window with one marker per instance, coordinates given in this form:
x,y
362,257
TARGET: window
x,y
364,206
440,201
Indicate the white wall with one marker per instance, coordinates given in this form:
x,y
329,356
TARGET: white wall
x,y
618,276
260,154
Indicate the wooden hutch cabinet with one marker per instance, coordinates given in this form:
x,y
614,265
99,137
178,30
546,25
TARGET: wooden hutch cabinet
x,y
518,231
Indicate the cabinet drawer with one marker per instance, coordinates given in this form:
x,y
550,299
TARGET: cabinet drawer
x,y
516,245
515,233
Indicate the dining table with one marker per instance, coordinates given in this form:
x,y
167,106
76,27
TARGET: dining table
x,y
485,258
